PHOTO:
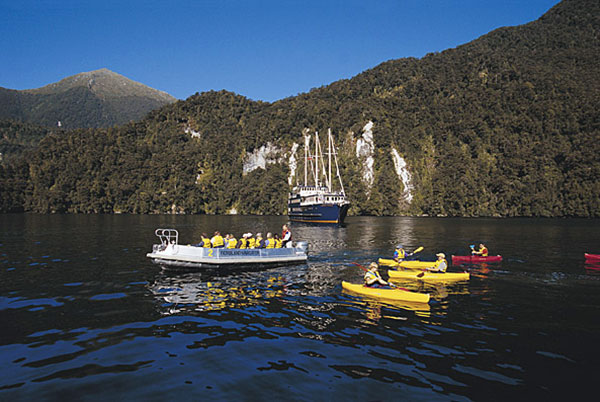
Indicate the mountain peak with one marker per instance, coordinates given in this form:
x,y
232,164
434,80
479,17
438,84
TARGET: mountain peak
x,y
98,98
104,83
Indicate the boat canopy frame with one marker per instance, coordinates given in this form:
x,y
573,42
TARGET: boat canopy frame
x,y
167,236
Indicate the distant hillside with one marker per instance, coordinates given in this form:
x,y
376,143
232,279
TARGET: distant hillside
x,y
506,125
98,98
16,138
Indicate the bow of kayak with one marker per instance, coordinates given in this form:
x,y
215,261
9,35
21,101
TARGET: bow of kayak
x,y
386,294
590,257
429,276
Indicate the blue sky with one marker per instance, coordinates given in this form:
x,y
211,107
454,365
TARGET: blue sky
x,y
265,50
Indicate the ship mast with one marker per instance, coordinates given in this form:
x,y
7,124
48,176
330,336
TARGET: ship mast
x,y
337,170
329,140
306,145
316,173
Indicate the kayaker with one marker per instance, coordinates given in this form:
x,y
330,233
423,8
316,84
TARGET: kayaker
x,y
483,251
217,240
441,264
399,253
286,236
372,277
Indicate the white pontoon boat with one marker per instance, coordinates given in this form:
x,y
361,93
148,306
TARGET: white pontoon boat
x,y
170,253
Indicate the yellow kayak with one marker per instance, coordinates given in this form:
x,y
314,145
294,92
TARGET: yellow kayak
x,y
406,264
387,294
429,276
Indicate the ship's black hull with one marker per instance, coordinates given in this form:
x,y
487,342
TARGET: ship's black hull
x,y
318,213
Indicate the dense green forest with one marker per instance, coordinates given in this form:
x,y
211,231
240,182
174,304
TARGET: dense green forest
x,y
506,125
16,138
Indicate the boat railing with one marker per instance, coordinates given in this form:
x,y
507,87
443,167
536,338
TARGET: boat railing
x,y
167,236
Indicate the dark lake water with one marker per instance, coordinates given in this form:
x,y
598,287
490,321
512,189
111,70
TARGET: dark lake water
x,y
86,316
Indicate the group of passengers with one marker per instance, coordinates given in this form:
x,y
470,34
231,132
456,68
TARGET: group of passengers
x,y
247,240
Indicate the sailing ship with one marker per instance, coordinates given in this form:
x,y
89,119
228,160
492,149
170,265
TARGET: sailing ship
x,y
319,202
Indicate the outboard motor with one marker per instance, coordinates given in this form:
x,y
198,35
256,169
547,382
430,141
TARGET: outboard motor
x,y
302,246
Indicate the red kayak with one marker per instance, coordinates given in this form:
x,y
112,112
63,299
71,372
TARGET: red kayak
x,y
461,259
592,257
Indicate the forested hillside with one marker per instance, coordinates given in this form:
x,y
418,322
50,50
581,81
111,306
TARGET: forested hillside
x,y
506,125
16,138
99,98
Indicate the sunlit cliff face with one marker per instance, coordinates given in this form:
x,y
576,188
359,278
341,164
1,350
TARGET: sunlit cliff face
x,y
261,157
403,174
365,149
293,163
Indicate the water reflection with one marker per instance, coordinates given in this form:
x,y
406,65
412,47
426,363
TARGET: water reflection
x,y
321,239
437,290
592,269
86,313
403,233
321,278
197,292
376,309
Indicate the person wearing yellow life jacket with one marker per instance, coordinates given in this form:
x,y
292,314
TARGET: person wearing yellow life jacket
x,y
270,242
251,240
441,264
204,241
244,241
399,253
217,240
278,241
259,242
372,277
483,251
231,241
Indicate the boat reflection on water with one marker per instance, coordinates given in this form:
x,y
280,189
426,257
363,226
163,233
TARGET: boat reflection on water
x,y
197,292
374,308
438,290
592,268
481,269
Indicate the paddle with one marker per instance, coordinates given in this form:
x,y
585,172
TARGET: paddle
x,y
410,256
418,250
407,255
360,266
389,283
